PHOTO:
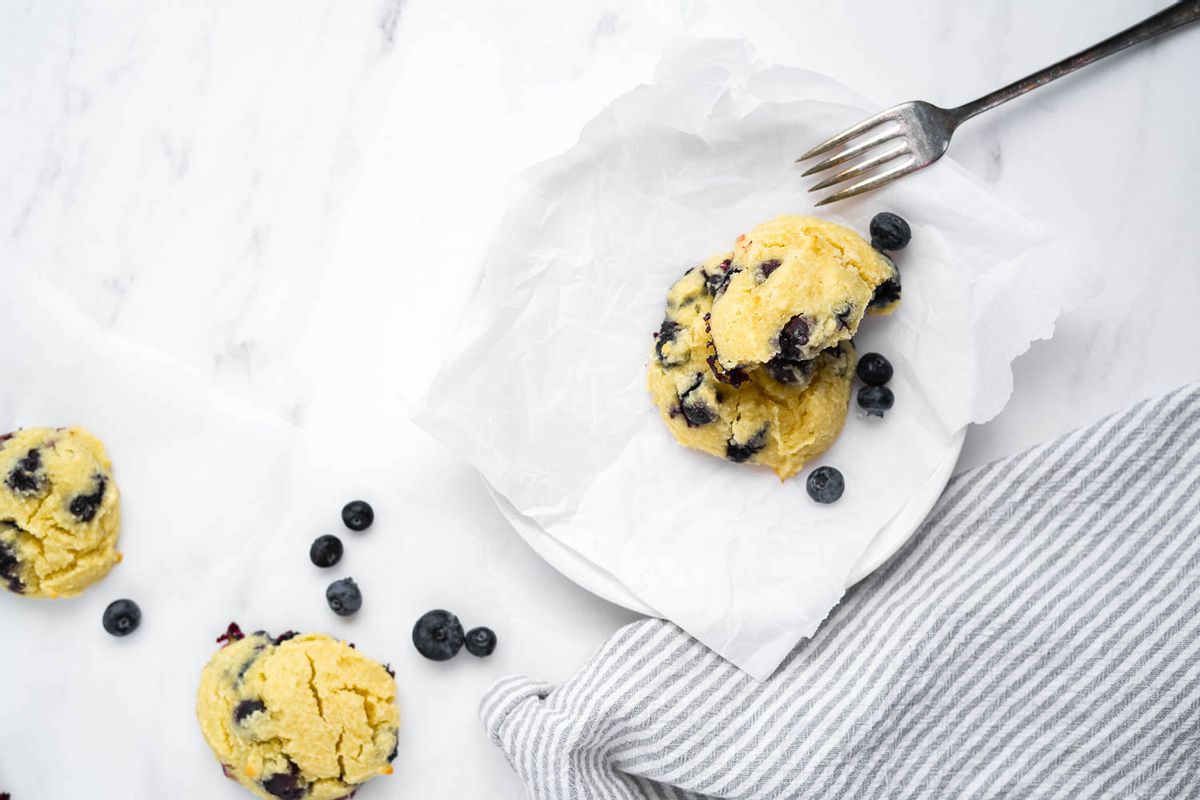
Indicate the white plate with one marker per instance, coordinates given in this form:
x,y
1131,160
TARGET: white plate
x,y
601,583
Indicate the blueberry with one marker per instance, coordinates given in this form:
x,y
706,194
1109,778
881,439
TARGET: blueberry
x,y
247,707
790,372
715,281
695,411
889,232
767,267
875,400
481,642
438,635
793,337
666,334
344,597
825,485
326,550
23,478
358,515
723,283
739,452
286,785
84,506
10,566
874,369
122,617
886,293
842,315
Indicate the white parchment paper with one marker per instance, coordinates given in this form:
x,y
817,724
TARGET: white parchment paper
x,y
546,395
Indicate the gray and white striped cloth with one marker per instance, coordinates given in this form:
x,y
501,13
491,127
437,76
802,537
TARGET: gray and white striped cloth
x,y
1039,637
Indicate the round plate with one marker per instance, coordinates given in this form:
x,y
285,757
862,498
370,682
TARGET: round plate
x,y
601,583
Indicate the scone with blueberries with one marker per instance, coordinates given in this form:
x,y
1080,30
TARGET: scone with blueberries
x,y
780,416
298,716
796,286
59,512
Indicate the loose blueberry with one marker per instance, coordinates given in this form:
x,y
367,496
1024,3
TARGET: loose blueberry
x,y
825,485
326,550
874,369
23,478
358,515
875,400
84,506
438,635
793,337
247,707
889,232
481,642
344,597
122,617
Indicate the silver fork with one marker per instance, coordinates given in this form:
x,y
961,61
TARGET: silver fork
x,y
921,131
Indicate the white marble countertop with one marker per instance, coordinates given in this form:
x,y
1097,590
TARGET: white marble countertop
x,y
291,198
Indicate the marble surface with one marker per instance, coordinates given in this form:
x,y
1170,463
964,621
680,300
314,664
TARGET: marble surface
x,y
287,201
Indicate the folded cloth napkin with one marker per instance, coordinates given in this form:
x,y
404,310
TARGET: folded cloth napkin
x,y
1038,637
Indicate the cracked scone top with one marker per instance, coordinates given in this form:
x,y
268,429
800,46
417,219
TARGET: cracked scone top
x,y
296,717
782,415
59,512
797,286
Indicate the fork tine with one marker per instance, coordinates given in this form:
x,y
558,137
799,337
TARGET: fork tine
x,y
854,151
875,182
893,152
848,134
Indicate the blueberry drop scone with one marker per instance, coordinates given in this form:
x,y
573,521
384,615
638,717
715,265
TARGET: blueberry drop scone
x,y
298,716
59,512
781,415
794,287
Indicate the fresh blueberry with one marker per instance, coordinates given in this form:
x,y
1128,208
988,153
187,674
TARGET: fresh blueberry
x,y
825,485
874,369
358,515
793,337
344,597
122,617
438,635
23,478
247,707
84,506
326,550
889,232
875,400
481,642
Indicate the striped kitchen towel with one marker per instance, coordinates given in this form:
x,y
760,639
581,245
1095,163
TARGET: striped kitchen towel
x,y
1039,637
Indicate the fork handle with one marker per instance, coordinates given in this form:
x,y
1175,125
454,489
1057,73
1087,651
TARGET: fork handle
x,y
1176,15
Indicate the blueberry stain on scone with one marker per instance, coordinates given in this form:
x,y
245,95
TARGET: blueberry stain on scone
x,y
10,566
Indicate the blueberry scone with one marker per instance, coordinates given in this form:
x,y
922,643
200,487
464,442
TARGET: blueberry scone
x,y
59,512
794,287
781,415
298,716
